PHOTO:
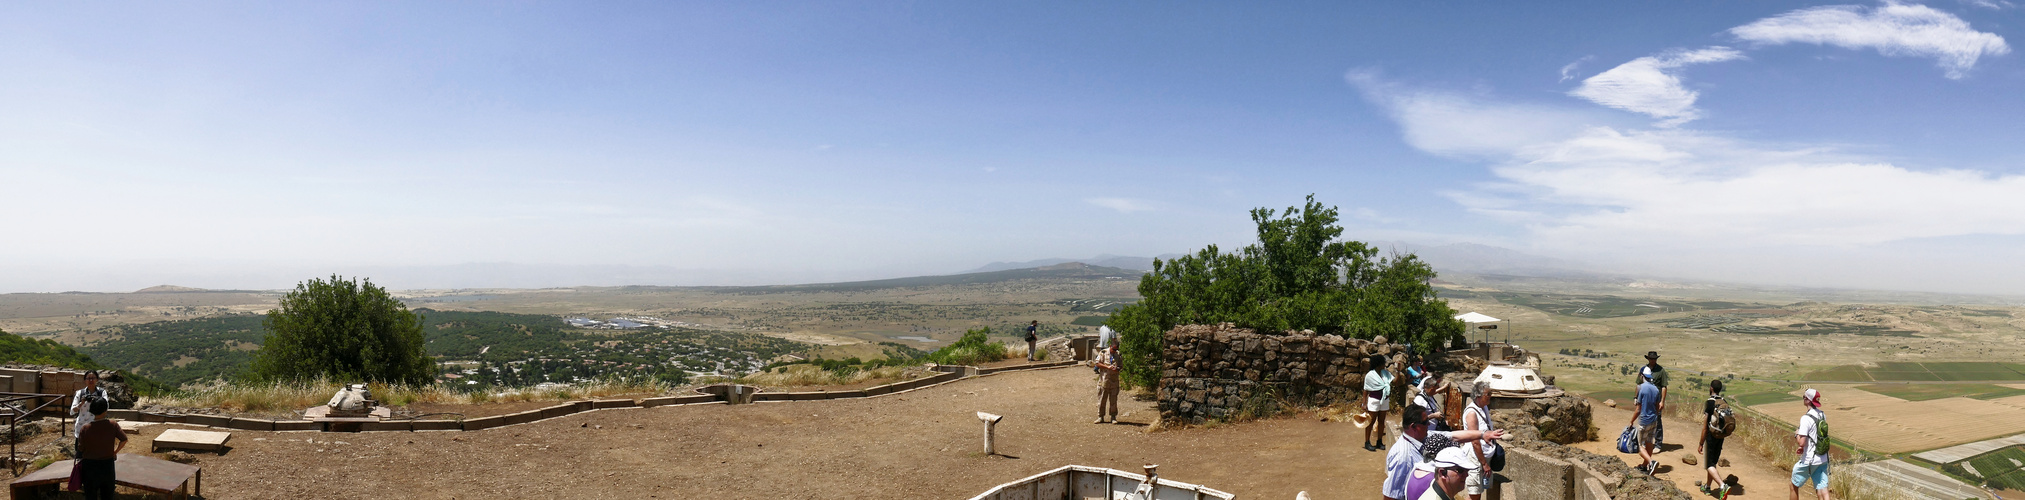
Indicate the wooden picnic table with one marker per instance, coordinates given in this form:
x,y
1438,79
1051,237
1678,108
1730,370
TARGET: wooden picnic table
x,y
137,471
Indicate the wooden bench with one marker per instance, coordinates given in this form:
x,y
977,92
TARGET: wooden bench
x,y
135,471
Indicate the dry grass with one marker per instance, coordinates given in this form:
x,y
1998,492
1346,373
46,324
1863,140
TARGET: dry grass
x,y
284,397
811,375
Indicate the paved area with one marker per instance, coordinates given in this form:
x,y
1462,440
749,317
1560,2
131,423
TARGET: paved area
x,y
1959,453
1918,483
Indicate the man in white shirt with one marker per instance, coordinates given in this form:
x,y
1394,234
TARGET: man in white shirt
x,y
1811,466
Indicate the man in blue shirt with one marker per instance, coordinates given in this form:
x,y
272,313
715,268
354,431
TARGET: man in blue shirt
x,y
1646,421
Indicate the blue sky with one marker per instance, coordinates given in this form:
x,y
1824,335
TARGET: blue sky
x,y
252,145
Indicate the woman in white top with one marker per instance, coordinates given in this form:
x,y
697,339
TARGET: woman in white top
x,y
1377,401
79,401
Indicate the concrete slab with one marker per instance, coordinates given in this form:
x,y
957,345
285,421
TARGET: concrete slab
x,y
438,425
185,439
484,422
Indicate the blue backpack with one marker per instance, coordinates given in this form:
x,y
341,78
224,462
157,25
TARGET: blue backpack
x,y
1628,442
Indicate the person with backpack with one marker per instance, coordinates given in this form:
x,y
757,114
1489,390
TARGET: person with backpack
x,y
1811,439
1645,421
1718,421
1032,337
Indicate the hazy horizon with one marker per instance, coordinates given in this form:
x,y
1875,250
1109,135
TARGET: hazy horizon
x,y
1814,144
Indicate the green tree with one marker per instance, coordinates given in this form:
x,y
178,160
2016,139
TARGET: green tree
x,y
343,329
1298,276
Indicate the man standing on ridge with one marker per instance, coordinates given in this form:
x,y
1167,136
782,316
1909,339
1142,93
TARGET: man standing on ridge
x,y
1657,374
1107,383
1032,337
1812,440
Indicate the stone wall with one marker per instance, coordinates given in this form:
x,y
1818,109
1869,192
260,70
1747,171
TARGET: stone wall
x,y
1221,372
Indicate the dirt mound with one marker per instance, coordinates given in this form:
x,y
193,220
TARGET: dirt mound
x,y
1630,485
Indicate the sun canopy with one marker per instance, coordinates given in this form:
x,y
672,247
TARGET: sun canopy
x,y
1474,317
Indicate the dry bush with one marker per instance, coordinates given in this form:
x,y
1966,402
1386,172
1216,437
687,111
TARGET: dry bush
x,y
283,397
811,375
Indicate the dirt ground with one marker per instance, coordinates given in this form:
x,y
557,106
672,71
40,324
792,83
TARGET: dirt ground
x,y
921,444
1760,478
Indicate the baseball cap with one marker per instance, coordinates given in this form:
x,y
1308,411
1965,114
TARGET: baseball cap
x,y
1455,457
1812,397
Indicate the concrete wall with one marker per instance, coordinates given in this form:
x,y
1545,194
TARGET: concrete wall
x,y
1538,477
1215,372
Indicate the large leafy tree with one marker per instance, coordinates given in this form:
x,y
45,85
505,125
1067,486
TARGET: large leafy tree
x,y
1298,276
347,330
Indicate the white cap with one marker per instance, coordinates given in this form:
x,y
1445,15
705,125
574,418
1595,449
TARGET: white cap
x,y
1812,397
1455,456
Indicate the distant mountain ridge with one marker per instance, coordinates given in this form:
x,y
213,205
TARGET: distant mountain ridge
x,y
1103,260
1055,271
1470,258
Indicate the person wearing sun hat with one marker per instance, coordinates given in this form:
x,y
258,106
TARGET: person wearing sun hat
x,y
1451,468
1657,373
1810,439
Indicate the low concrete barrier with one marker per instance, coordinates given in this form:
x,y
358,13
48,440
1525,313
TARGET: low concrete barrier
x,y
438,425
708,394
1591,490
210,420
297,425
613,403
676,400
387,425
252,424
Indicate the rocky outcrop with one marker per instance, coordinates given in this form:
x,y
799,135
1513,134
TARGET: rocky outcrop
x,y
1561,419
1221,372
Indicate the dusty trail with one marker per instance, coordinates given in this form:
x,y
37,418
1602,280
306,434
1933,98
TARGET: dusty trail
x,y
1761,479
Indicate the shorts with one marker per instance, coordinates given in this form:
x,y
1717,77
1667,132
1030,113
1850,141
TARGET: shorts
x,y
1712,452
1377,405
1648,435
1475,484
1817,473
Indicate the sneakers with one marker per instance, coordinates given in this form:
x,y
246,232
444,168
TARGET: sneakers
x,y
1367,447
1099,421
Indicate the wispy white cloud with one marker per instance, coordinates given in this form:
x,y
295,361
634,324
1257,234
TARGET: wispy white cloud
x,y
1568,71
1650,85
1893,29
1452,124
1122,205
1611,188
1368,214
1990,4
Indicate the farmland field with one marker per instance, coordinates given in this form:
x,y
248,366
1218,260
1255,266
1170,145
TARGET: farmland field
x,y
2002,467
1924,392
1929,372
1892,425
1761,398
